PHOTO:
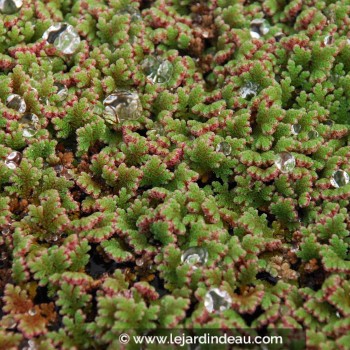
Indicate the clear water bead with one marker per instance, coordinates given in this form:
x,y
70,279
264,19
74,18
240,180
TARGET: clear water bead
x,y
334,78
122,106
9,7
44,100
3,256
249,90
313,134
62,91
258,28
62,171
139,262
157,130
98,109
32,312
29,124
278,36
6,230
13,160
339,178
295,129
133,12
157,70
294,248
329,122
285,162
16,102
58,169
195,256
224,147
217,300
63,36
9,322
32,345
328,40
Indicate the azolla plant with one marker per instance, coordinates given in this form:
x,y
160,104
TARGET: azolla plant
x,y
173,164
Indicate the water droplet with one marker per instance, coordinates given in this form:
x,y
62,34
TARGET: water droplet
x,y
139,262
9,322
44,100
339,178
224,147
285,162
32,312
249,90
133,12
195,256
157,130
59,169
258,28
9,7
295,129
329,122
278,36
32,345
217,300
13,160
334,78
16,102
62,171
98,108
328,40
62,91
122,106
157,70
29,124
294,248
68,174
313,134
63,36
6,231
3,256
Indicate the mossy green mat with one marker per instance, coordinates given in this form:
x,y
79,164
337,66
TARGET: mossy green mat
x,y
240,148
